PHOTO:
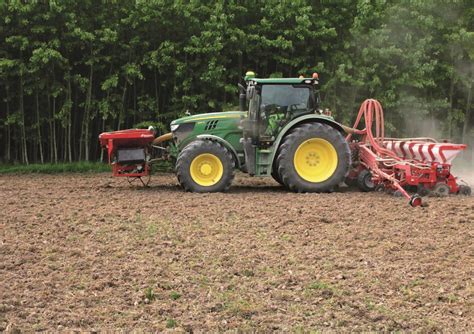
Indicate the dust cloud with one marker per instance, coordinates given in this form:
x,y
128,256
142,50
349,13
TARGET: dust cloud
x,y
463,164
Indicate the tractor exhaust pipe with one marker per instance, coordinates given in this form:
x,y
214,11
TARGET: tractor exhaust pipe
x,y
242,98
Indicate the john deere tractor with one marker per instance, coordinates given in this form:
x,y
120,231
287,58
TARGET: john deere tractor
x,y
280,131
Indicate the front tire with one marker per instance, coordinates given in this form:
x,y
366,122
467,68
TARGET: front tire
x,y
313,157
205,166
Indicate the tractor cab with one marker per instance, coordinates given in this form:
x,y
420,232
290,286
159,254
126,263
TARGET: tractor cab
x,y
273,103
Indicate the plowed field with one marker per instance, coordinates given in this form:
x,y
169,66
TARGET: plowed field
x,y
91,252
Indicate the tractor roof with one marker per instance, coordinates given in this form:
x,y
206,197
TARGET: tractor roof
x,y
293,81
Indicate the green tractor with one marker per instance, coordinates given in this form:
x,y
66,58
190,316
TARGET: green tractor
x,y
280,131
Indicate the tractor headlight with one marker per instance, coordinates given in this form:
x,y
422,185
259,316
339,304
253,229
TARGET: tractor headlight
x,y
174,127
181,131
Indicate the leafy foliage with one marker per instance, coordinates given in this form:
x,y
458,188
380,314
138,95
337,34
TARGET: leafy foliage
x,y
72,69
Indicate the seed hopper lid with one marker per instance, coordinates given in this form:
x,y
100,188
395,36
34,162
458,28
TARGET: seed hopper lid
x,y
425,151
127,138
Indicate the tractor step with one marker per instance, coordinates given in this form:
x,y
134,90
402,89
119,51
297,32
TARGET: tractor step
x,y
263,164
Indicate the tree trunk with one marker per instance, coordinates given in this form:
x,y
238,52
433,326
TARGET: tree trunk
x,y
451,100
122,112
81,138
157,98
74,129
69,120
8,141
467,115
55,146
66,121
22,125
65,142
51,126
355,91
102,150
134,116
87,115
38,124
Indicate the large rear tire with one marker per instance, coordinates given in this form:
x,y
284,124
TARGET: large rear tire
x,y
205,166
313,157
276,176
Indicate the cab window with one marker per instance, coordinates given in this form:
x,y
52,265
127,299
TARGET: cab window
x,y
286,98
281,103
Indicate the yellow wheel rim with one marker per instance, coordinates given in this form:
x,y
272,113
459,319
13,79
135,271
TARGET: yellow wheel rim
x,y
206,169
315,160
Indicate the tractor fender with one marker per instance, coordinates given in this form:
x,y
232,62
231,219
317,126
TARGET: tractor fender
x,y
226,145
299,121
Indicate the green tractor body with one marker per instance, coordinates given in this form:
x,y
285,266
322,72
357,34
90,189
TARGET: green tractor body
x,y
280,131
222,126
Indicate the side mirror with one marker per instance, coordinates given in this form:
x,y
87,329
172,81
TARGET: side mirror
x,y
250,92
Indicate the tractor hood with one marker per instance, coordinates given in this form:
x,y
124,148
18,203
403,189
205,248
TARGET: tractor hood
x,y
224,125
208,116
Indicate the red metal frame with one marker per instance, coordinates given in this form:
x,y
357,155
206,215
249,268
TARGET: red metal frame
x,y
395,163
133,138
128,170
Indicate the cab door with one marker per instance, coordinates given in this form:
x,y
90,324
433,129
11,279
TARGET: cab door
x,y
250,129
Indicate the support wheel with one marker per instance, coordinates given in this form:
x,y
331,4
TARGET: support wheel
x,y
380,187
464,190
423,190
350,182
397,193
313,157
440,190
205,166
364,181
416,200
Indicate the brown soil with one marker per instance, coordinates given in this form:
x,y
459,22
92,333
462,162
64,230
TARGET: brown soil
x,y
91,252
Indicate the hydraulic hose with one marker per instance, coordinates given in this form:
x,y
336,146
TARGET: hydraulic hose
x,y
371,109
372,112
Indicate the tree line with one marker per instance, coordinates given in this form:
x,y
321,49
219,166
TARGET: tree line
x,y
71,69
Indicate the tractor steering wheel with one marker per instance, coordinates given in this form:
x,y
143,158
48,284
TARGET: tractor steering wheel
x,y
293,107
